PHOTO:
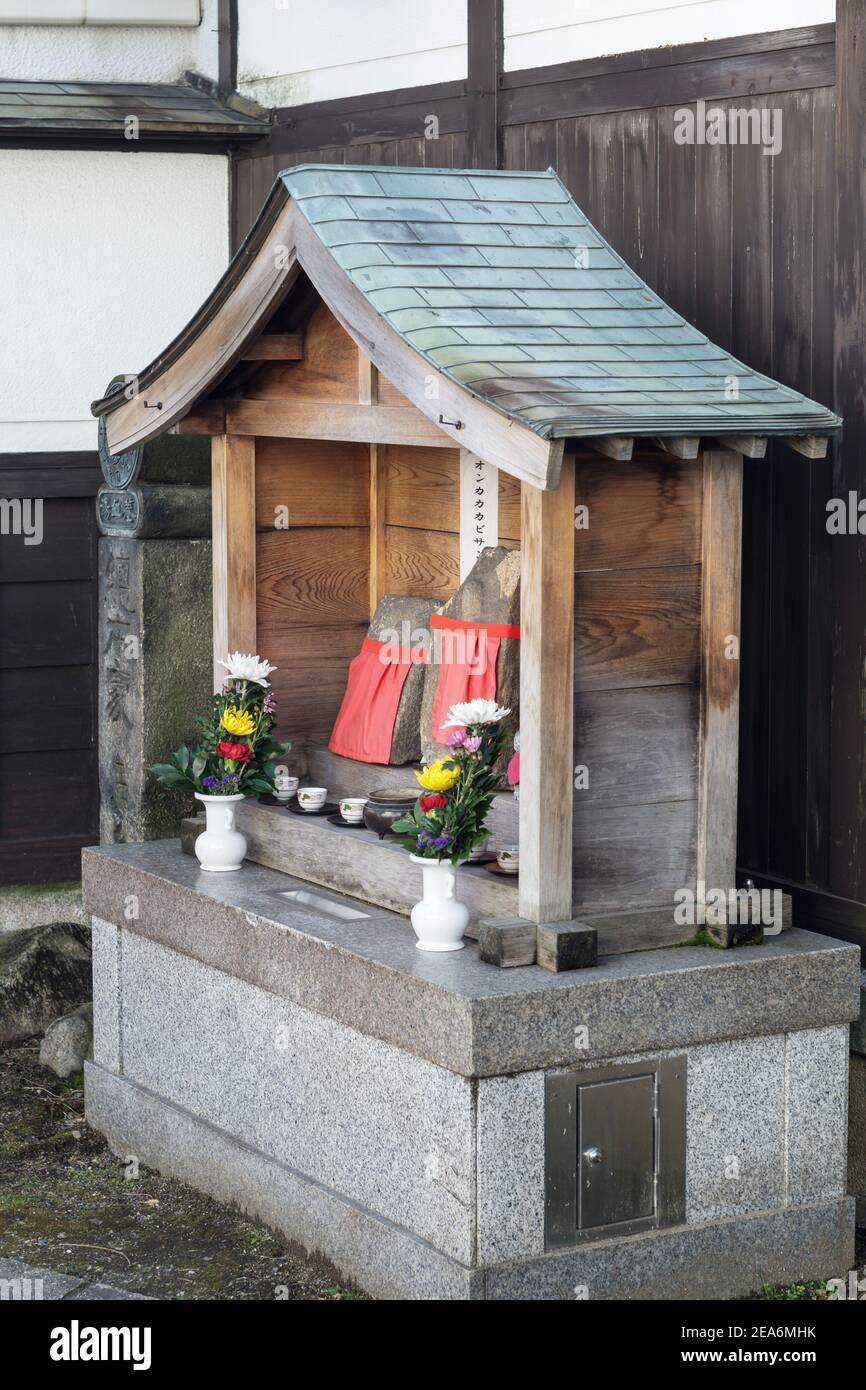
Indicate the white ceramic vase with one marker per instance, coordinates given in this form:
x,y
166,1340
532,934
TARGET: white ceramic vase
x,y
220,848
439,920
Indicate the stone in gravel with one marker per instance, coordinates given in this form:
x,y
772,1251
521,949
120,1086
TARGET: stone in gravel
x,y
68,1042
44,973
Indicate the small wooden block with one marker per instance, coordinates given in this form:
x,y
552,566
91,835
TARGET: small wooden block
x,y
735,933
190,829
506,941
566,945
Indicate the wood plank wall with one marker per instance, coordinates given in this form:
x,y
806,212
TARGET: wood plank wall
x,y
742,244
636,631
48,672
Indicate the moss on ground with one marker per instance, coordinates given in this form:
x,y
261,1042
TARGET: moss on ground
x,y
68,1204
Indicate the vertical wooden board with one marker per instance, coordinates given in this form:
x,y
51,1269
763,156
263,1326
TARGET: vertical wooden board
x,y
821,605
540,145
546,700
752,341
720,670
714,263
509,508
640,203
378,563
233,503
676,213
789,652
574,157
606,208
847,856
514,147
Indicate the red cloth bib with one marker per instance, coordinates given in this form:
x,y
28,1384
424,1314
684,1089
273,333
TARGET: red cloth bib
x,y
365,723
467,664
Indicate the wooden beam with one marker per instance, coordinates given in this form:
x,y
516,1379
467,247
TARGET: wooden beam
x,y
680,446
371,424
617,447
208,417
811,446
234,548
368,380
275,347
547,700
484,47
377,527
721,530
227,46
754,446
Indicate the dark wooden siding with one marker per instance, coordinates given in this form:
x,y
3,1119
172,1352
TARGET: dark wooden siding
x,y
743,245
48,598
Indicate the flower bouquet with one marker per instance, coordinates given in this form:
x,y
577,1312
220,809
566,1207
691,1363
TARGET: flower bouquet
x,y
448,820
233,758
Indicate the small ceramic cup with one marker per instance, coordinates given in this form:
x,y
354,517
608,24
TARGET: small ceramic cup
x,y
285,786
479,851
508,858
312,798
352,809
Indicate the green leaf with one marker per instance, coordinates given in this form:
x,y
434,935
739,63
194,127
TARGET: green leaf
x,y
181,757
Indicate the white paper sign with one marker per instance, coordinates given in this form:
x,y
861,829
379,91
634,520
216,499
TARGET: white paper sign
x,y
479,508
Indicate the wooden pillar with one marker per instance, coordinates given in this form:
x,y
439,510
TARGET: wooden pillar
x,y
233,470
368,394
720,669
547,699
484,69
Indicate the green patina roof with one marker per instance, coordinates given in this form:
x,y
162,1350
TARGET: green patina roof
x,y
500,282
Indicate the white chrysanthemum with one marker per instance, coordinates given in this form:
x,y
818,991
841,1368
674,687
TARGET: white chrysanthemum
x,y
246,667
474,712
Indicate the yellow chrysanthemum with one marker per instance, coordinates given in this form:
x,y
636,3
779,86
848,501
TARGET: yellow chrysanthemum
x,y
238,722
437,777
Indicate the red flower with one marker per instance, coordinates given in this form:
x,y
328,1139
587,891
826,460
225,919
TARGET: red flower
x,y
432,803
233,752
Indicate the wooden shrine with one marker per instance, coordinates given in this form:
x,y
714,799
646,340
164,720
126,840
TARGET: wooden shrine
x,y
380,328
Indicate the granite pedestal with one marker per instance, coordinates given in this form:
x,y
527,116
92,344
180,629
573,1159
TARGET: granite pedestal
x,y
385,1109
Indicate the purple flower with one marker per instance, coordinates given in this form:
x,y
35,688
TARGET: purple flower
x,y
457,738
270,703
440,841
209,782
472,744
229,777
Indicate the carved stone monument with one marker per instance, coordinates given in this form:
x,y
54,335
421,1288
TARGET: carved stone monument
x,y
154,627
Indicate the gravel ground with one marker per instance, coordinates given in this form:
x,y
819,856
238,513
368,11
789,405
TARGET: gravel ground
x,y
67,1204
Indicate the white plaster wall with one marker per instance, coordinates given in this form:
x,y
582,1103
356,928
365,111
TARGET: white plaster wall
x,y
103,258
292,51
98,53
538,32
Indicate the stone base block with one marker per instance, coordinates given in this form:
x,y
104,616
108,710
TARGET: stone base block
x,y
719,1259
